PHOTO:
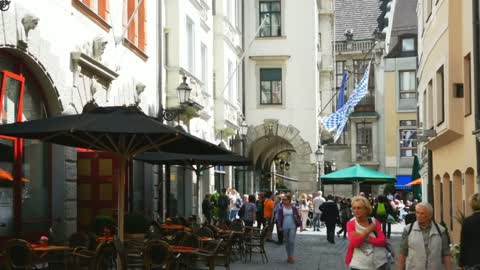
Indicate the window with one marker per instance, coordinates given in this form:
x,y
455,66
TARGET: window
x,y
219,178
430,105
231,83
440,94
428,6
204,71
467,85
408,138
190,45
359,67
270,12
135,21
407,85
408,44
96,10
27,205
271,86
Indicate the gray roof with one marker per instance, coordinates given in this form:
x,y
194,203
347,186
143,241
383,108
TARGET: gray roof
x,y
359,15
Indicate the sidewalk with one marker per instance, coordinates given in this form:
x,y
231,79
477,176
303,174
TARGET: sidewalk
x,y
312,252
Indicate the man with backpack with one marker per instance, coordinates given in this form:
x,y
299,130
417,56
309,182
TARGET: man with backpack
x,y
223,204
381,210
424,244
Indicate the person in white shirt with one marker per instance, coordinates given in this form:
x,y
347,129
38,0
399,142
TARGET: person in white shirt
x,y
317,201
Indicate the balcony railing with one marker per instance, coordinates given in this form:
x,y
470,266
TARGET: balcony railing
x,y
367,104
364,152
356,45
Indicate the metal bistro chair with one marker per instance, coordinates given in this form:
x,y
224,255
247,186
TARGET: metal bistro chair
x,y
207,255
157,254
19,255
238,241
255,242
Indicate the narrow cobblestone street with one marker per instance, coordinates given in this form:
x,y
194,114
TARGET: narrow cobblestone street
x,y
312,252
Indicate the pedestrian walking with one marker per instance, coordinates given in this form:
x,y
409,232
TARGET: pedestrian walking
x,y
223,205
288,220
259,213
345,216
381,210
317,202
366,249
235,204
248,210
278,205
424,244
268,206
470,237
330,216
303,207
207,208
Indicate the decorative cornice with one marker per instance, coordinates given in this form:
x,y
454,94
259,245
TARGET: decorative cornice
x,y
269,57
95,66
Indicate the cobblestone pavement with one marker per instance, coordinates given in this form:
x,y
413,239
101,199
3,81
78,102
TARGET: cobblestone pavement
x,y
312,252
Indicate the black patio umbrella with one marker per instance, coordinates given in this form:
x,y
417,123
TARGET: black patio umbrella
x,y
195,162
123,130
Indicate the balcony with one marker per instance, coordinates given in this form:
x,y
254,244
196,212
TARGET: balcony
x,y
367,104
355,45
364,153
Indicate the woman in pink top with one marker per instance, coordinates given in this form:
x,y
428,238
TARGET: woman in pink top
x,y
366,249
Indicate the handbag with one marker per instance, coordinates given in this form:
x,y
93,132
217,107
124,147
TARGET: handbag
x,y
391,219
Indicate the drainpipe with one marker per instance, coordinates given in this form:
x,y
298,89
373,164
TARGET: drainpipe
x,y
161,203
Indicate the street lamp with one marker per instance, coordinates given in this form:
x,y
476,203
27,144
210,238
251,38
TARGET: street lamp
x,y
319,157
183,91
334,166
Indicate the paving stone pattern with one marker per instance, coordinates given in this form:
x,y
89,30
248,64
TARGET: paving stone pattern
x,y
312,252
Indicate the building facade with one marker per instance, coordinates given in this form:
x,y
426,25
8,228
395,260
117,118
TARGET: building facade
x,y
356,44
282,93
400,93
445,73
55,59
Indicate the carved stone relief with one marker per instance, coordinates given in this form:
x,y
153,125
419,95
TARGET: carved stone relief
x,y
29,22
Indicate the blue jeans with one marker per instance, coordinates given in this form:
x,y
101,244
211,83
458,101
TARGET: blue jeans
x,y
233,214
289,239
316,221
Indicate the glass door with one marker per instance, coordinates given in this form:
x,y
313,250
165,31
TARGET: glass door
x,y
11,93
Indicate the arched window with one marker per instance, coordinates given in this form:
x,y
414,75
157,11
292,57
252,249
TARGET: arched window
x,y
24,172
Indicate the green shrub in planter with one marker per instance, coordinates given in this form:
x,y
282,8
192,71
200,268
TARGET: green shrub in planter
x,y
102,222
136,223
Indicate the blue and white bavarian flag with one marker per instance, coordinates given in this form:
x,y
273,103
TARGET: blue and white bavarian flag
x,y
337,120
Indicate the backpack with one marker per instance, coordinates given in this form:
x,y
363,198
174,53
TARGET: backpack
x,y
223,202
381,210
436,226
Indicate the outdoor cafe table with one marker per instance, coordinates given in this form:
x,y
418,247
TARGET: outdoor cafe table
x,y
41,251
174,227
184,249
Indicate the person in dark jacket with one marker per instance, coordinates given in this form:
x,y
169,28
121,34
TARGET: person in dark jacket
x,y
470,237
207,208
381,210
330,216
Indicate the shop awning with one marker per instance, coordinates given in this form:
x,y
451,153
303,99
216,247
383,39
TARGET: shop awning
x,y
402,181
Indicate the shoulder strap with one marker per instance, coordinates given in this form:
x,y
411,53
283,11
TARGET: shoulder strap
x,y
410,229
440,232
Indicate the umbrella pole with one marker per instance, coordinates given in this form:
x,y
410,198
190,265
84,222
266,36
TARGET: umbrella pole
x,y
197,191
121,198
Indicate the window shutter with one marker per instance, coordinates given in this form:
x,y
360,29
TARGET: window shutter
x,y
271,74
141,27
132,26
102,9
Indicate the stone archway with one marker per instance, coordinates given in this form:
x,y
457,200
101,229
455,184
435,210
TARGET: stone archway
x,y
43,78
457,203
469,189
438,200
447,201
270,138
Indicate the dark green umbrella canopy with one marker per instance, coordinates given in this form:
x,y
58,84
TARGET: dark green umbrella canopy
x,y
123,130
357,174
